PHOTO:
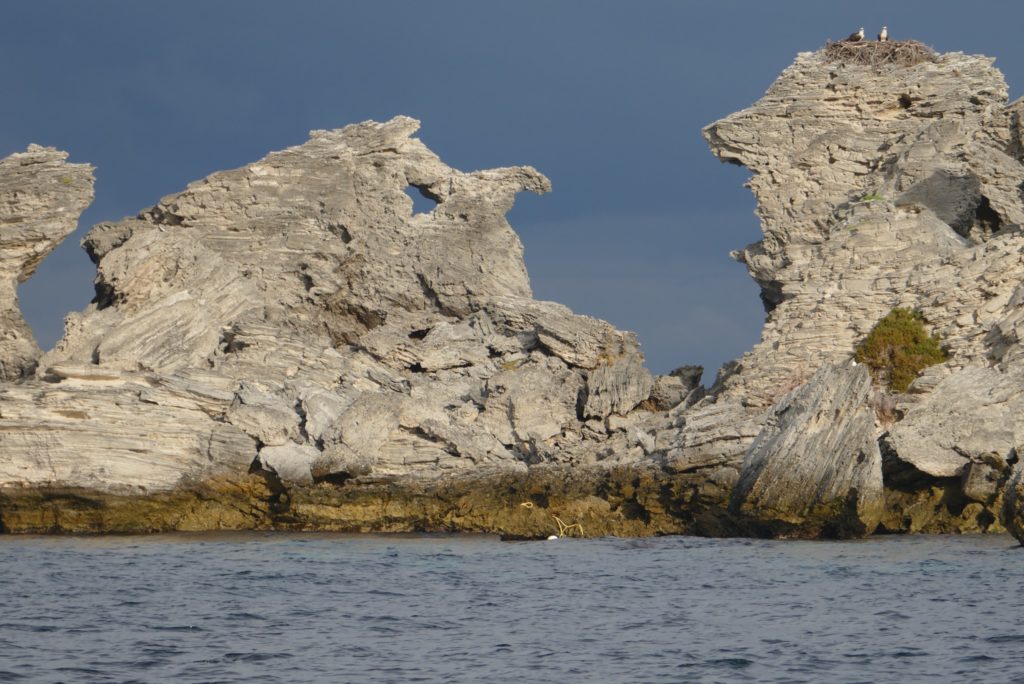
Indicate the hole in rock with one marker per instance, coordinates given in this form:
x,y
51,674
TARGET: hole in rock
x,y
423,201
905,101
63,283
958,201
419,334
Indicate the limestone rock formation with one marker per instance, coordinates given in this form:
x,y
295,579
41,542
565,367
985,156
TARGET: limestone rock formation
x,y
815,468
879,187
296,317
882,187
41,197
291,344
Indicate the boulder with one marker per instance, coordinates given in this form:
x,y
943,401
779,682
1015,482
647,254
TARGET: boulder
x,y
815,469
970,416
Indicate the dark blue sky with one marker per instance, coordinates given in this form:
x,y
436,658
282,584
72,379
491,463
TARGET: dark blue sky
x,y
606,98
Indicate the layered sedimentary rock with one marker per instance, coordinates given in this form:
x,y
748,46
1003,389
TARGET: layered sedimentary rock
x,y
877,188
292,345
295,318
815,468
883,187
41,197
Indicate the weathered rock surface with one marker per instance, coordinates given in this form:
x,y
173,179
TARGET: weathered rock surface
x,y
296,317
879,187
890,186
41,197
815,468
970,416
290,345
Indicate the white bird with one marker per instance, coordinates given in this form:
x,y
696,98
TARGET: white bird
x,y
553,537
883,35
855,37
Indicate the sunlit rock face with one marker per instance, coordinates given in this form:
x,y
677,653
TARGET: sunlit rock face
x,y
882,187
41,197
297,318
293,344
879,187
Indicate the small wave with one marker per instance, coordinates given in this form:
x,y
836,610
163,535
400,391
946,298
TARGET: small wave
x,y
895,614
244,616
731,663
254,657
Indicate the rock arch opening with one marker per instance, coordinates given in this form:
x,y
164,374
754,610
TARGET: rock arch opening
x,y
423,201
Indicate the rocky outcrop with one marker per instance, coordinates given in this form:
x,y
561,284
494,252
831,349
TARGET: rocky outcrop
x,y
296,318
41,197
292,345
882,187
878,187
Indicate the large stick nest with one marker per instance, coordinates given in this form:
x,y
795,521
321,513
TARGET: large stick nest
x,y
879,53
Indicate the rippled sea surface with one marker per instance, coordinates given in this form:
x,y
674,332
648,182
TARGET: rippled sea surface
x,y
332,608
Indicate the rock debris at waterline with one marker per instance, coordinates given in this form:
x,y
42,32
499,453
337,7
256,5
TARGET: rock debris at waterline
x,y
288,345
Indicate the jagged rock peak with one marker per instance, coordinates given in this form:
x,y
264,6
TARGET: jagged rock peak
x,y
876,187
323,226
41,197
296,317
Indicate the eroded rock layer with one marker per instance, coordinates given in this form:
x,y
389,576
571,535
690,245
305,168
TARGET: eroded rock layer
x,y
41,197
879,187
292,345
295,318
884,187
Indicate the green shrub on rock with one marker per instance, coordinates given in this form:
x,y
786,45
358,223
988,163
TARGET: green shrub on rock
x,y
898,348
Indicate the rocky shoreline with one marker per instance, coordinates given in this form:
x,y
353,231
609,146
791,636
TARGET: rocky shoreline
x,y
290,345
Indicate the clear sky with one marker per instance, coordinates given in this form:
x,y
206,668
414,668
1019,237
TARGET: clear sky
x,y
606,98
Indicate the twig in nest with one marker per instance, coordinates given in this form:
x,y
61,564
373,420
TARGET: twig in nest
x,y
879,53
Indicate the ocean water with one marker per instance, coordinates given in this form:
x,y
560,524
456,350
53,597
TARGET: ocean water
x,y
337,608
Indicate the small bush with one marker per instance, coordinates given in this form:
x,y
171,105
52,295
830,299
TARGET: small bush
x,y
898,348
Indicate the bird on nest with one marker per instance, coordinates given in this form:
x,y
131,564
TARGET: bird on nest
x,y
855,37
883,35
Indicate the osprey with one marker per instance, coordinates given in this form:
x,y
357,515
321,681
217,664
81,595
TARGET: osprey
x,y
883,35
855,37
